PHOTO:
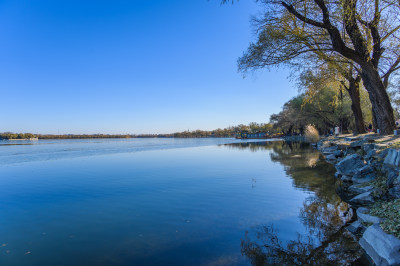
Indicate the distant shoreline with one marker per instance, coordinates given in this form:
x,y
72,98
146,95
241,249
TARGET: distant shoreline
x,y
111,137
31,139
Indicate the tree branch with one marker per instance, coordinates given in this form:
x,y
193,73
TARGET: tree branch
x,y
392,69
293,11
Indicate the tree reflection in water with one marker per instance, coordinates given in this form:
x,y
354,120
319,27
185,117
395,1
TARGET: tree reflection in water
x,y
323,214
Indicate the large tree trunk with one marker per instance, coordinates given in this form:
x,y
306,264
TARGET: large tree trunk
x,y
374,121
359,53
354,92
369,65
379,99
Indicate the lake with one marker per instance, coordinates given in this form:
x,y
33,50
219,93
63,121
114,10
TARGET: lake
x,y
168,202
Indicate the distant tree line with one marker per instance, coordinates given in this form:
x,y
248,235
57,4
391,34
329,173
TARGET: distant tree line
x,y
9,135
83,136
228,132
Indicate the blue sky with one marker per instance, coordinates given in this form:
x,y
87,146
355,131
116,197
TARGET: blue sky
x,y
134,66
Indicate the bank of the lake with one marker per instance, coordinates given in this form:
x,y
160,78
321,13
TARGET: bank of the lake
x,y
368,179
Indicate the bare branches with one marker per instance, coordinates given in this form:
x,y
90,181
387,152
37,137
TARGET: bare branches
x,y
293,11
392,69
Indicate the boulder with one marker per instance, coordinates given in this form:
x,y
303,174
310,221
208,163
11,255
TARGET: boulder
x,y
355,227
364,174
382,154
329,150
358,143
366,169
368,146
338,153
352,138
393,177
346,178
388,170
364,217
363,199
392,158
350,151
330,157
358,179
395,192
382,248
357,189
375,164
350,164
370,154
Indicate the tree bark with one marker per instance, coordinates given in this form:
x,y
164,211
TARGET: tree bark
x,y
381,106
354,92
369,72
374,121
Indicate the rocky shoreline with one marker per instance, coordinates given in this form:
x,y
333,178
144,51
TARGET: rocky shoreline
x,y
368,168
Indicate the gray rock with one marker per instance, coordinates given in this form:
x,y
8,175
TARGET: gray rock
x,y
364,174
392,158
383,249
383,153
395,189
357,189
368,146
338,175
352,138
355,227
364,217
329,150
395,192
363,199
382,146
350,164
338,153
375,164
359,179
393,177
350,151
370,154
367,169
358,143
330,157
346,178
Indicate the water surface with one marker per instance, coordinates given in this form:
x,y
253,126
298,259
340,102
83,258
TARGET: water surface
x,y
163,201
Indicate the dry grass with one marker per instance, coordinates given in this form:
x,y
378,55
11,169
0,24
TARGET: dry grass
x,y
311,134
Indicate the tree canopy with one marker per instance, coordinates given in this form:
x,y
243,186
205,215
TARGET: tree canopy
x,y
361,33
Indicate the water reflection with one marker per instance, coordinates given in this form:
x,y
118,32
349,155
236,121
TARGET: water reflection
x,y
323,214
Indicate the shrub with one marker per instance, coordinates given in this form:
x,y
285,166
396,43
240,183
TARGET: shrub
x,y
390,211
311,134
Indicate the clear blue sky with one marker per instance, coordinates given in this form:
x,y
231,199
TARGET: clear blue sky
x,y
135,66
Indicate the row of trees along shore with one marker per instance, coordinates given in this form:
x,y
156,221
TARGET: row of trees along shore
x,y
231,131
340,46
9,135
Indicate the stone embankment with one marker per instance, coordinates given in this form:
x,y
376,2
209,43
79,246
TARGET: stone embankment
x,y
294,138
368,178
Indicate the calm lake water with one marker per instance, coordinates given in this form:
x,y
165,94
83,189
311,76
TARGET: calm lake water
x,y
168,202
